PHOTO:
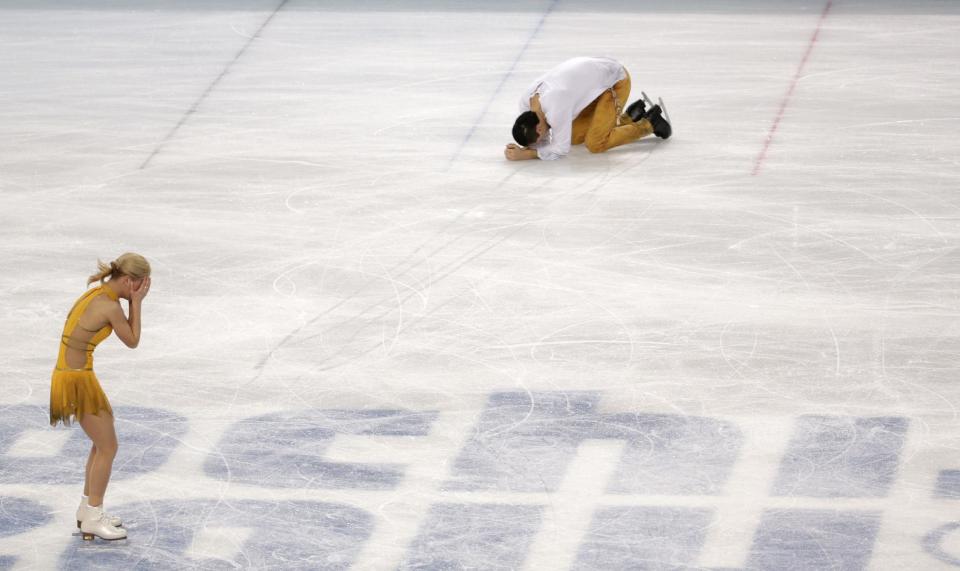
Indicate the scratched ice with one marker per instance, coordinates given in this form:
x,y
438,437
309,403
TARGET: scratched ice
x,y
374,344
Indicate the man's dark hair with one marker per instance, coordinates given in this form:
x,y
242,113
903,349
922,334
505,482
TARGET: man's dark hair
x,y
525,129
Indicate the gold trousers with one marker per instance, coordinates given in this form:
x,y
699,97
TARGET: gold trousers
x,y
602,125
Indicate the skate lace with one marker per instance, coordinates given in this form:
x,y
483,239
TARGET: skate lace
x,y
107,521
101,515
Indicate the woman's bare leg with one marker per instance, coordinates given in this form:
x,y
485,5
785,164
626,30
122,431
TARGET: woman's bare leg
x,y
100,429
86,479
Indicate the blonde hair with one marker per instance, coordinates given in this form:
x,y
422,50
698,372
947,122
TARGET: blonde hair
x,y
129,264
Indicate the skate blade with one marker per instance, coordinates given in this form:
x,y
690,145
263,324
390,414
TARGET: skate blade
x,y
664,109
646,98
91,537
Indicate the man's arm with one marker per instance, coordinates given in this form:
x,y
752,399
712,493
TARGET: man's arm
x,y
515,152
535,105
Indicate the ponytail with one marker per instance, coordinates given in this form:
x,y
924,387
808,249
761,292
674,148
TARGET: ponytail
x,y
104,271
133,265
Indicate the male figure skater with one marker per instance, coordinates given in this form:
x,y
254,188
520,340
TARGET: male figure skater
x,y
581,101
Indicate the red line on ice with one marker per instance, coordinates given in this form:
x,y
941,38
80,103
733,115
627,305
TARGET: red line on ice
x,y
793,85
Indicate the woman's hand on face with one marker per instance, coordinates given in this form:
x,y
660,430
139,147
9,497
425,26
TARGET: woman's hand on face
x,y
139,291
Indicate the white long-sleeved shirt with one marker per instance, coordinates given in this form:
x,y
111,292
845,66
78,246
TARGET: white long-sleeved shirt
x,y
564,92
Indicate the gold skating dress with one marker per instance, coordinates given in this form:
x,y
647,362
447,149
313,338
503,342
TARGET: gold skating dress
x,y
76,392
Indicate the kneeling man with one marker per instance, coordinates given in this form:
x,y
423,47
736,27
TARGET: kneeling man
x,y
581,101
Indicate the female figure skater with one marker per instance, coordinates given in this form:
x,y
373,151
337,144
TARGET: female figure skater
x,y
75,393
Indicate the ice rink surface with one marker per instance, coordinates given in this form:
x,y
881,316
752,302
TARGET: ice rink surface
x,y
373,343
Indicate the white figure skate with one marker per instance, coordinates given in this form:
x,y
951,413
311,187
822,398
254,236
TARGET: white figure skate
x,y
83,512
99,526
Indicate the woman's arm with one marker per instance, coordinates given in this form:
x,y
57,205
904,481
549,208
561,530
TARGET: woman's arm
x,y
127,328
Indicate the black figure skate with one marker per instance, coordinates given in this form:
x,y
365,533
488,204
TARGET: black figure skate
x,y
637,110
657,115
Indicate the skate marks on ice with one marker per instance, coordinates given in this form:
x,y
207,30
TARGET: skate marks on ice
x,y
474,536
660,537
287,449
526,444
365,301
223,534
18,515
948,484
943,543
785,539
658,506
836,457
935,543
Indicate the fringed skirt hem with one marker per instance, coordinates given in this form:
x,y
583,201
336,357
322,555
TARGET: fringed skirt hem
x,y
74,393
